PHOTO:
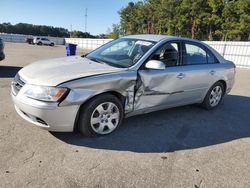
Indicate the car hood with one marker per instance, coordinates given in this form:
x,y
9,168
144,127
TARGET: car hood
x,y
56,71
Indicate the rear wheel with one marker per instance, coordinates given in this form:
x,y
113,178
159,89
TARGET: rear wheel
x,y
100,116
214,96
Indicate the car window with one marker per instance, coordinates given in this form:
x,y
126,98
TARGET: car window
x,y
123,52
168,54
121,48
194,55
210,58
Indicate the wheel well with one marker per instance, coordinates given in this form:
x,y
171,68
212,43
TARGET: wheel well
x,y
224,85
115,93
118,95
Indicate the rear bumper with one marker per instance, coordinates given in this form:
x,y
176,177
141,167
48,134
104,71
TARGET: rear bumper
x,y
48,116
230,84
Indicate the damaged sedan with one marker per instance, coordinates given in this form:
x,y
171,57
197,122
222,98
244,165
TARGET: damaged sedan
x,y
131,75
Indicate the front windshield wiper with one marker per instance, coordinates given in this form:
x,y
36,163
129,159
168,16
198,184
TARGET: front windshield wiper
x,y
105,62
95,60
84,55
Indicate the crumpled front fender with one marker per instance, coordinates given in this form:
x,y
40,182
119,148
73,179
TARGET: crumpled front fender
x,y
81,90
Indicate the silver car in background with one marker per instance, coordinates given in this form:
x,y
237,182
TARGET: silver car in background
x,y
131,75
2,55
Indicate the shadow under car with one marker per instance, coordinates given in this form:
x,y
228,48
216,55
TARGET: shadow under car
x,y
170,130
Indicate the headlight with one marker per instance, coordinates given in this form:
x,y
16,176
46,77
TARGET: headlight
x,y
50,94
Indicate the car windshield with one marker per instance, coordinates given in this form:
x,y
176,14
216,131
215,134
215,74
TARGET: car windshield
x,y
123,52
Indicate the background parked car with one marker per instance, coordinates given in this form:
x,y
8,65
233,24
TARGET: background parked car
x,y
43,41
29,40
2,55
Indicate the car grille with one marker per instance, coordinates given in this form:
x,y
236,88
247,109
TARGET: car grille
x,y
17,84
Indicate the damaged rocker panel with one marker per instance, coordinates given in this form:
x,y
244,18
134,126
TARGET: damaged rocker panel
x,y
152,92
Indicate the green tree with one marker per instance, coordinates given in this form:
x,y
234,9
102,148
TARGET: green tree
x,y
133,18
231,26
116,33
205,20
30,29
80,34
244,10
214,19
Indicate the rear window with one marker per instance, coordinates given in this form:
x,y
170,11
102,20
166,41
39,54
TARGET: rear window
x,y
210,58
195,55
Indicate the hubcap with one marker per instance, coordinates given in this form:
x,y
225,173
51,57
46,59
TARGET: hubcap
x,y
105,118
215,96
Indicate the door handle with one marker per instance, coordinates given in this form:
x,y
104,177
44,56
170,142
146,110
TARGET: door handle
x,y
212,72
181,76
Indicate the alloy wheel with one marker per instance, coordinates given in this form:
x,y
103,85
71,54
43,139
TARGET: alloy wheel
x,y
215,96
105,118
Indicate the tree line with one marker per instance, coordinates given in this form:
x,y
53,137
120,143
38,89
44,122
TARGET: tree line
x,y
30,29
199,19
43,30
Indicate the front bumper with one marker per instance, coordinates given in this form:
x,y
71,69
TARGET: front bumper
x,y
46,115
2,56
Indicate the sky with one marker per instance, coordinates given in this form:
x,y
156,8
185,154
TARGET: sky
x,y
64,13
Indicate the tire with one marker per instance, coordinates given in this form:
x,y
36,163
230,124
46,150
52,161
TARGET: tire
x,y
39,43
100,116
52,44
2,56
214,96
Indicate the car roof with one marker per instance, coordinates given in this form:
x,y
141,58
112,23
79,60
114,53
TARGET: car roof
x,y
157,38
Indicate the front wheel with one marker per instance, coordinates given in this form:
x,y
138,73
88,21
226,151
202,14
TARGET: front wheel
x,y
100,116
214,96
2,56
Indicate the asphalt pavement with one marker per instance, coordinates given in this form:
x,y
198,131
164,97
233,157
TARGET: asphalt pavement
x,y
180,147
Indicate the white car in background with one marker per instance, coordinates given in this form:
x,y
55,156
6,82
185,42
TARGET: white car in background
x,y
43,41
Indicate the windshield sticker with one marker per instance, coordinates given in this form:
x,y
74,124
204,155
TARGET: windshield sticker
x,y
144,43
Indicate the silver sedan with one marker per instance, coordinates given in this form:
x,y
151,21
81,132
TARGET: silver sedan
x,y
131,75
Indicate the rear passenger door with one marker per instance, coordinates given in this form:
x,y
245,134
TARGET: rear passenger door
x,y
199,69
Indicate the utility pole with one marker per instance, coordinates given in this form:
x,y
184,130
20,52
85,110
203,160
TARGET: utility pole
x,y
86,19
70,30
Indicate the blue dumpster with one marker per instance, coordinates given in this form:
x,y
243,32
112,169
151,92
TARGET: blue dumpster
x,y
70,49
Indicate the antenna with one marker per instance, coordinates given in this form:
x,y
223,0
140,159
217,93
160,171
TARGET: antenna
x,y
86,19
70,30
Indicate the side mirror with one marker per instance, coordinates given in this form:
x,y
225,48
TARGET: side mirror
x,y
155,64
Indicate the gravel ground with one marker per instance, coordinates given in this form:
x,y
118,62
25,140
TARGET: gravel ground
x,y
180,147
